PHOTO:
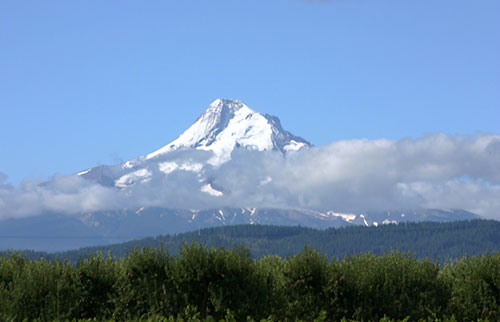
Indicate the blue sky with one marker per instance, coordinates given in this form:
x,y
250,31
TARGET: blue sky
x,y
84,83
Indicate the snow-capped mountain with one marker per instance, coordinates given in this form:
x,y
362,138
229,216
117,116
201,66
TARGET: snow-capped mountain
x,y
226,125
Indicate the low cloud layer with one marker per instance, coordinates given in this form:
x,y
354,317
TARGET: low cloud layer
x,y
438,171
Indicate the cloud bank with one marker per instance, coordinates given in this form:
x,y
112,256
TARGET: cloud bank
x,y
437,171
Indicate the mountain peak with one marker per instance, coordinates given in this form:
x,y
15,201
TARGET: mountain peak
x,y
222,110
220,104
227,124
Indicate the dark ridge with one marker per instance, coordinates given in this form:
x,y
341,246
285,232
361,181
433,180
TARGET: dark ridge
x,y
433,240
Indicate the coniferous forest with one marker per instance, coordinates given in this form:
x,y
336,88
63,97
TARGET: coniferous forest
x,y
436,241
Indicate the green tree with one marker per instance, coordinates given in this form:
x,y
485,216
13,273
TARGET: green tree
x,y
96,278
43,289
393,285
145,285
476,287
215,280
306,277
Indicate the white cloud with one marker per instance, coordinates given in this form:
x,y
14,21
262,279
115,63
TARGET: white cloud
x,y
437,171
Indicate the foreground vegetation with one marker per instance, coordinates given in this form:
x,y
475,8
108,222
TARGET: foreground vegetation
x,y
217,283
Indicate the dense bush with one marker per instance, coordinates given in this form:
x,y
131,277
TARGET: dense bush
x,y
220,284
95,287
36,289
144,284
306,279
215,280
395,285
475,287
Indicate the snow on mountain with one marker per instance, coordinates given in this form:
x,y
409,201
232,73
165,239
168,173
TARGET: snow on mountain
x,y
141,175
211,191
170,166
228,124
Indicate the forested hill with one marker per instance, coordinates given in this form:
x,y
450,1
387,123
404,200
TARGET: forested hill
x,y
431,240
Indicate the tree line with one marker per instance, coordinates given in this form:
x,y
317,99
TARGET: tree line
x,y
434,240
212,284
